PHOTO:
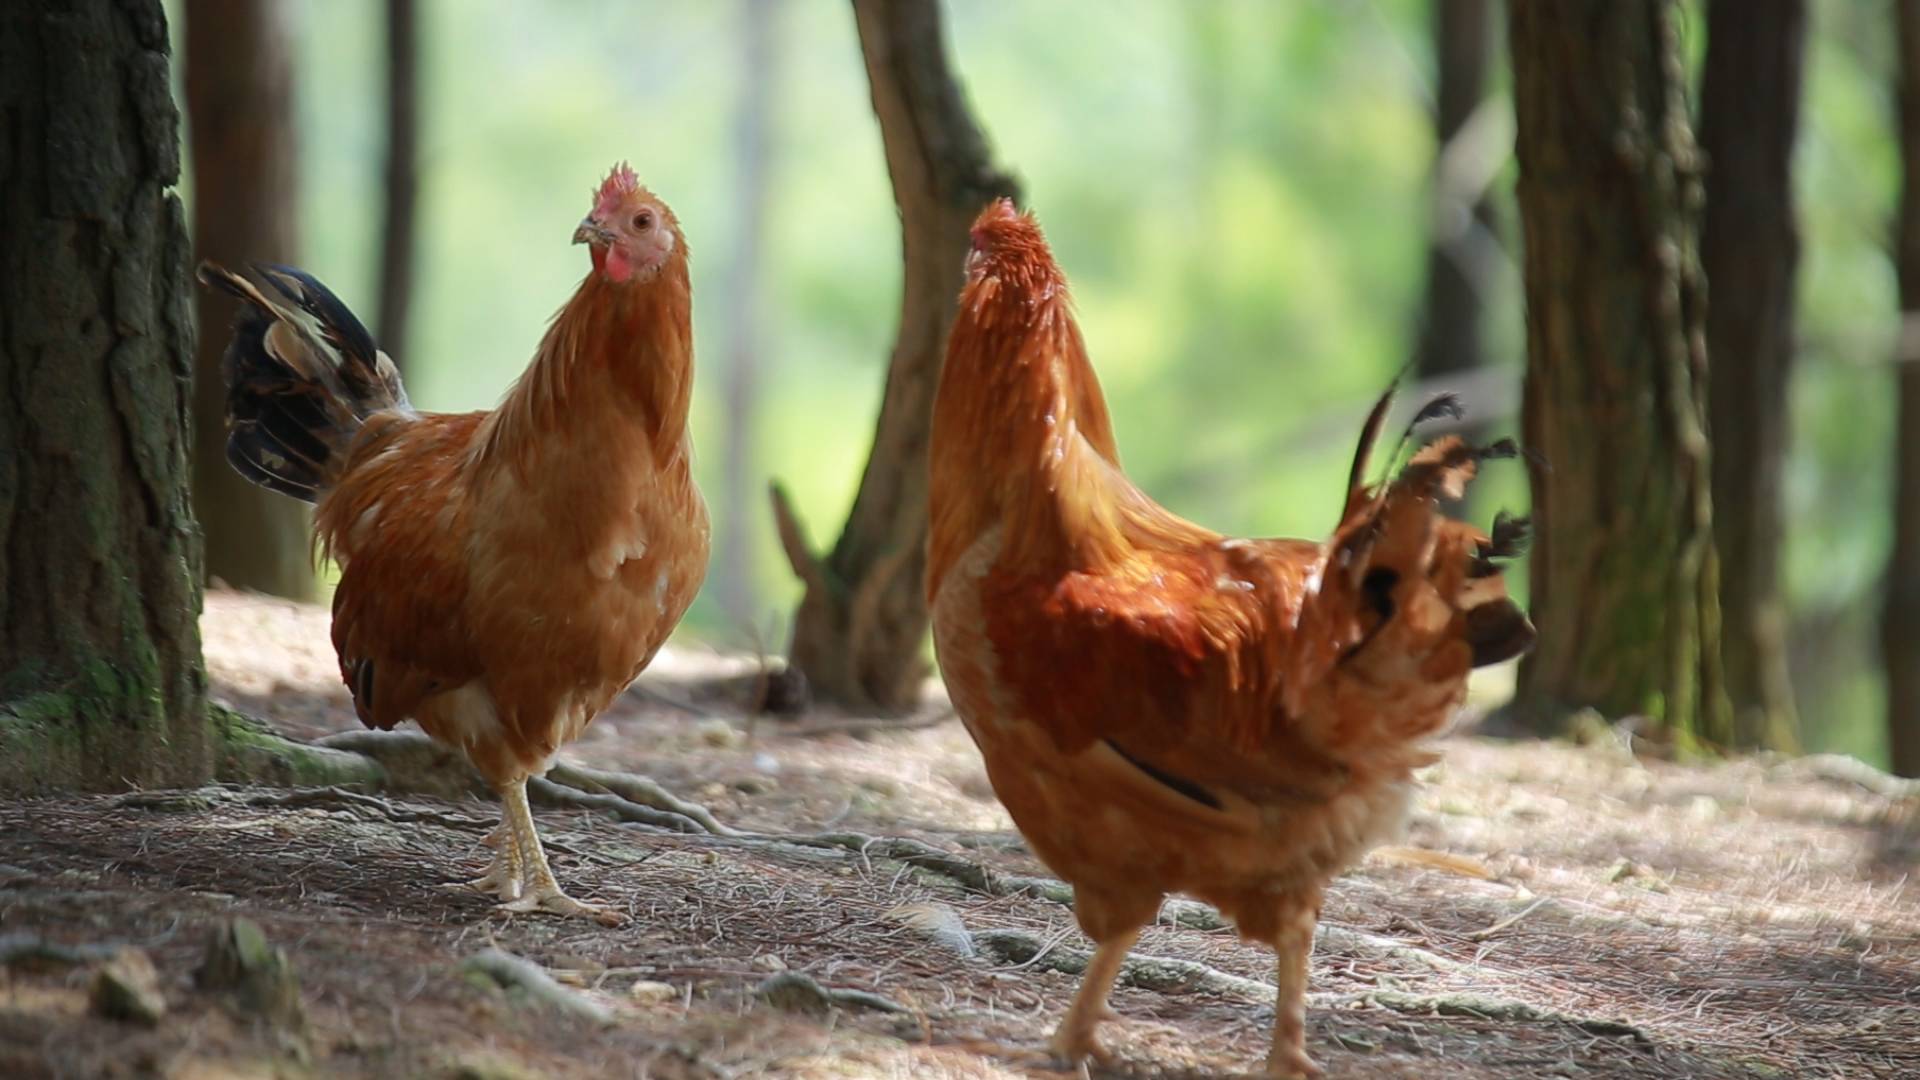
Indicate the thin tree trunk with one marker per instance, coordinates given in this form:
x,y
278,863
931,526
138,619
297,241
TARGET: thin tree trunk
x,y
403,178
1451,324
101,684
240,108
1624,581
1750,249
1900,626
859,632
753,145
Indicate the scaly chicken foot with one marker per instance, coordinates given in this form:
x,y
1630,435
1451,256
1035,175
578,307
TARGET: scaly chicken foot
x,y
504,875
541,891
1293,947
1075,1040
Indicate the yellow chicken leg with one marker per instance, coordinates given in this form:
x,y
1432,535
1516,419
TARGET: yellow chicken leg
x,y
1075,1040
503,878
1293,947
542,893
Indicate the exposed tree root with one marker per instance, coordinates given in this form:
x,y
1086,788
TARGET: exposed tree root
x,y
1482,1006
641,791
404,762
32,951
252,753
798,992
1844,770
544,792
1159,973
410,763
514,973
1187,913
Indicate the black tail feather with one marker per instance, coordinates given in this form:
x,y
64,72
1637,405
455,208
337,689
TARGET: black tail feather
x,y
1498,631
299,383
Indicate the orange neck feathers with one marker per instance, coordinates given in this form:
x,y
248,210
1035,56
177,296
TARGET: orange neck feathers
x,y
631,342
1021,434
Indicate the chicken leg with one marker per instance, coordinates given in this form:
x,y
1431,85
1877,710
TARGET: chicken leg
x,y
503,876
522,856
1293,947
1075,1039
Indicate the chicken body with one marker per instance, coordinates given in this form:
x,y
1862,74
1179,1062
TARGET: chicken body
x,y
1163,709
505,574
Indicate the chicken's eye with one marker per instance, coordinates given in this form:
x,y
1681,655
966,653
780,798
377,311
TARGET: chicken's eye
x,y
643,221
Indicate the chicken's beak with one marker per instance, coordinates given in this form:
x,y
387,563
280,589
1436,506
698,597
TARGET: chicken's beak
x,y
592,232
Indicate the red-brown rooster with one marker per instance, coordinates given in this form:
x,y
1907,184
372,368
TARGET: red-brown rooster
x,y
504,574
1161,708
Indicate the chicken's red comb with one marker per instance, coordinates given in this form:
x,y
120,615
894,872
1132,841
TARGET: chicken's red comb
x,y
1000,218
619,184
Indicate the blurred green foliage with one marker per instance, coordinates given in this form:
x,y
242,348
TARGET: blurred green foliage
x,y
1238,189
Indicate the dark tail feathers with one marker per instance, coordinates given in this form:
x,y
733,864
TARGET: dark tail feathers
x,y
1496,629
300,380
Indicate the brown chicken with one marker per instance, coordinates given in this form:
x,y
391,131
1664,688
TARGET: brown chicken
x,y
504,574
1163,709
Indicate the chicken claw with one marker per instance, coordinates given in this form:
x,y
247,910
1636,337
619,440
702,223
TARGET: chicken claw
x,y
1291,1063
1070,1049
553,901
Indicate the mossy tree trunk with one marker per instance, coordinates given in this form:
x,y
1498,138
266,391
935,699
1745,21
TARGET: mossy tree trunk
x,y
861,626
1750,249
240,114
1624,581
1900,621
101,683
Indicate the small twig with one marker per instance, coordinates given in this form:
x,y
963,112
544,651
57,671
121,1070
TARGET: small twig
x,y
1482,935
1437,860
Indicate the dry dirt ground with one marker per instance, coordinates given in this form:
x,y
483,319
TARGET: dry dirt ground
x,y
1639,919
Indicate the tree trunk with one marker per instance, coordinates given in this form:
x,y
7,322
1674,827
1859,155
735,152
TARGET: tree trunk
x,y
1624,580
101,684
753,144
1900,625
1462,212
859,631
1750,249
240,112
403,179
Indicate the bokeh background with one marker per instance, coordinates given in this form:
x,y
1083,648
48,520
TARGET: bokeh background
x,y
1240,191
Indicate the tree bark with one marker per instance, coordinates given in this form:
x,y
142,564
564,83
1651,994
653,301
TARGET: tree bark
x,y
1624,580
753,145
101,684
860,627
1900,621
1462,217
240,108
1750,249
403,176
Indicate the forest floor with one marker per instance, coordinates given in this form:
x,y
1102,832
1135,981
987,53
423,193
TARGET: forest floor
x,y
880,918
